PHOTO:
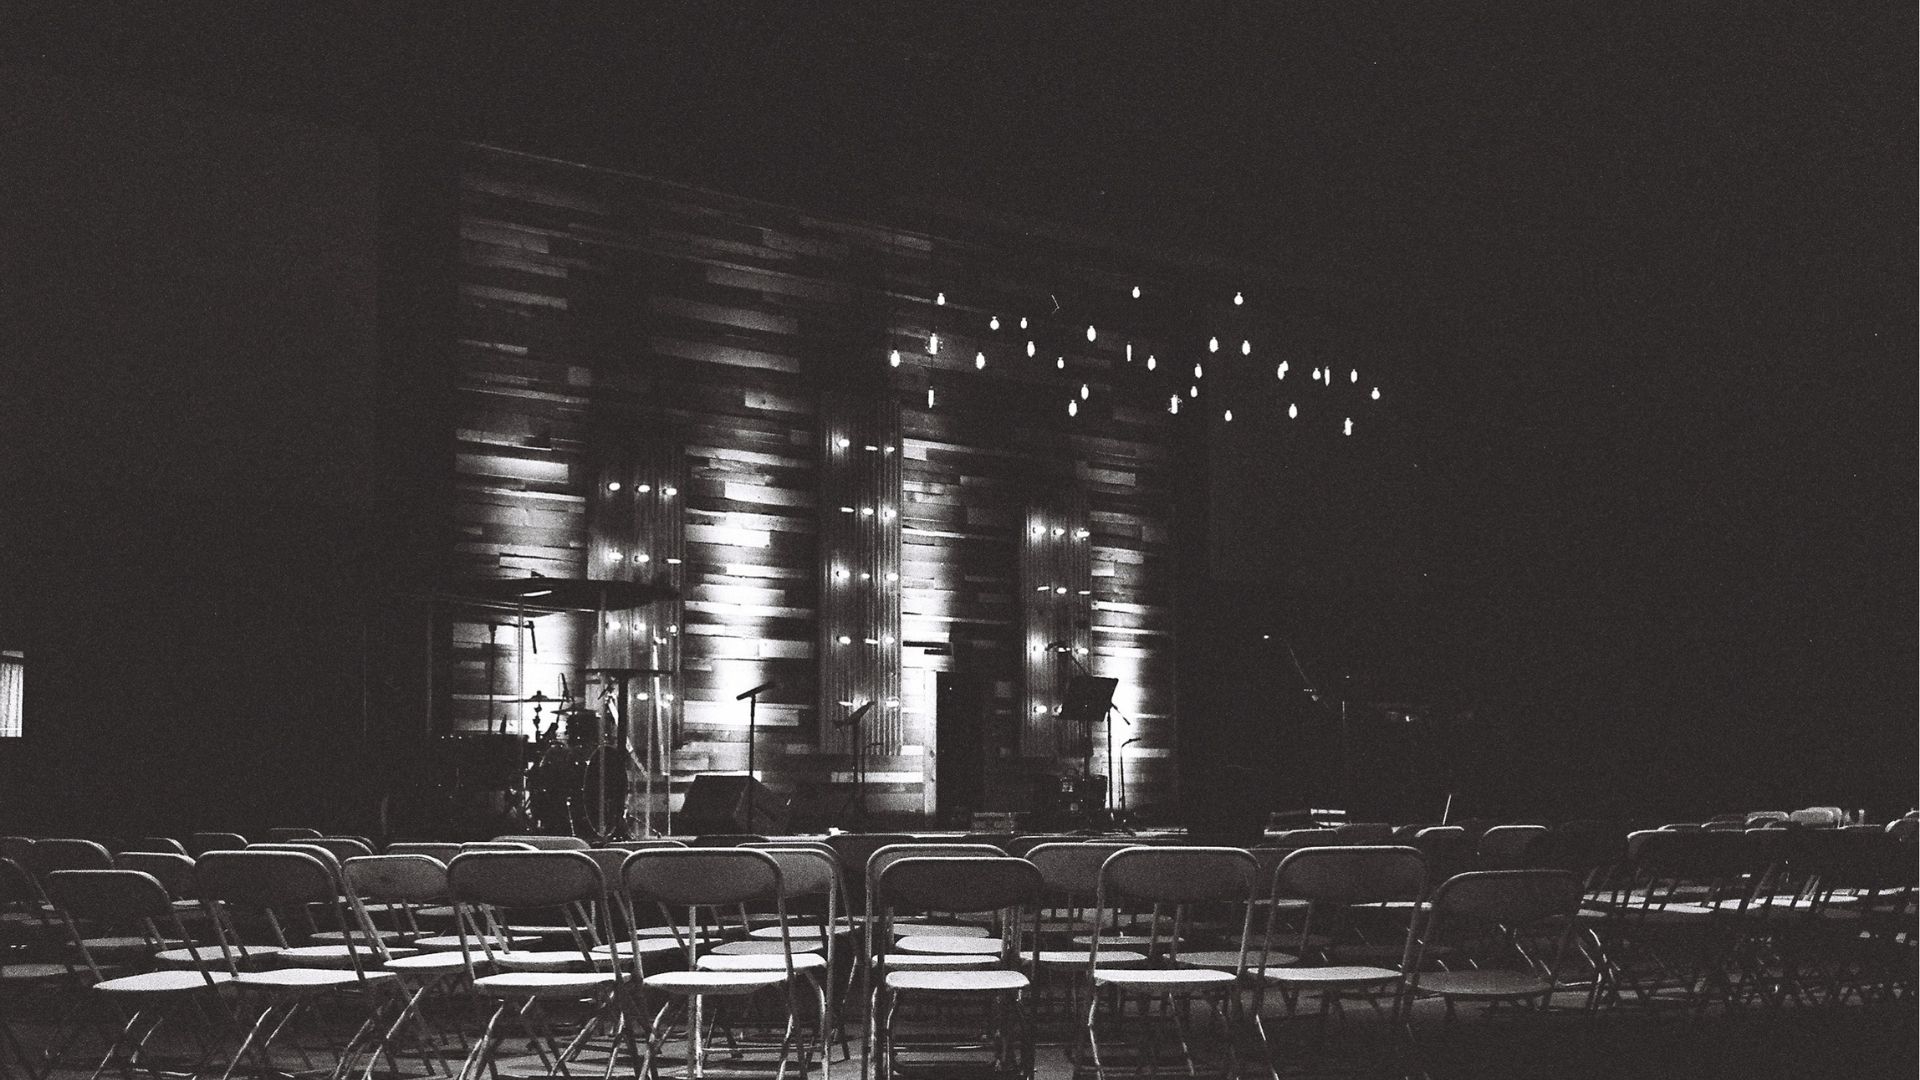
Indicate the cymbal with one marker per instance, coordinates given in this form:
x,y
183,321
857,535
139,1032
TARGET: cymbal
x,y
561,594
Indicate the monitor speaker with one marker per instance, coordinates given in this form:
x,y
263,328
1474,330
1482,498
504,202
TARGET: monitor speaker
x,y
718,804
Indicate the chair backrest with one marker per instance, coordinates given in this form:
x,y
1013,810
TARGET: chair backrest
x,y
728,839
1448,849
288,834
16,848
497,845
1508,897
62,853
19,892
261,879
878,861
200,843
855,849
442,852
958,884
1019,846
343,847
1514,847
119,897
524,879
1177,875
163,844
319,851
1073,869
808,869
401,879
646,845
546,843
702,877
1497,918
1354,874
1295,839
173,872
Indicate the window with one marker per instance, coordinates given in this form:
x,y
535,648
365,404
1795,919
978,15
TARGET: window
x,y
13,677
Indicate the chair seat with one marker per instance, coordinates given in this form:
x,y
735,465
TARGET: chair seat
x,y
985,981
763,948
526,960
305,978
645,933
949,945
1484,984
647,947
715,961
1333,976
714,983
1084,958
451,942
429,963
797,934
210,954
129,944
936,961
540,984
330,937
332,956
904,929
164,982
34,972
1227,959
1121,941
1157,980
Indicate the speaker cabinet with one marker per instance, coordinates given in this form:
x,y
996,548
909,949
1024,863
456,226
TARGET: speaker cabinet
x,y
719,804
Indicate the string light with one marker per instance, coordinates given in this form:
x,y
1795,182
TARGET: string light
x,y
892,577
1227,416
866,511
1136,292
1347,429
1281,371
1173,404
1238,299
1060,362
614,555
1129,352
993,323
933,344
1081,534
1030,349
668,493
1073,408
1091,335
844,640
886,513
1151,362
1193,391
980,361
1059,530
893,358
929,397
1246,347
1196,371
839,573
1084,391
1293,412
1376,394
645,489
1316,374
642,557
1213,344
940,299
1037,530
1023,322
1353,376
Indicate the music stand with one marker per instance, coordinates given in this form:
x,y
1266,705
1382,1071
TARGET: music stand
x,y
858,800
1090,697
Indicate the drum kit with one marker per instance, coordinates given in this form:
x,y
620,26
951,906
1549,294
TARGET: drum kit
x,y
575,777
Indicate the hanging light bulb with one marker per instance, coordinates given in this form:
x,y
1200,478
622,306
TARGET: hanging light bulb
x,y
893,358
1281,371
1227,416
1193,391
1293,412
1136,292
1213,344
1348,428
940,299
1246,347
1073,408
1084,391
1151,362
1196,371
1353,376
993,323
1091,334
1023,322
1060,363
1030,349
1238,299
1376,394
979,361
1173,404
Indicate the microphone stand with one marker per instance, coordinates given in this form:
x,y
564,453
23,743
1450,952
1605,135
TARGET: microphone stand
x,y
753,728
1120,811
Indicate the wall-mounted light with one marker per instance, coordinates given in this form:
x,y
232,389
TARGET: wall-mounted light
x,y
668,493
933,344
893,358
843,442
613,485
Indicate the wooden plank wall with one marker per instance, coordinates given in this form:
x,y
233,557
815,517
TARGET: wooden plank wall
x,y
863,455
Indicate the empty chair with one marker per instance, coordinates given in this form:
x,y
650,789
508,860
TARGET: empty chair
x,y
1507,931
1334,881
1175,878
129,903
441,852
60,853
491,889
691,879
998,889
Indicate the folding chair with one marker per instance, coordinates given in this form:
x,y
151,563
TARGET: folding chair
x,y
1509,847
713,878
489,890
546,843
998,887
1177,878
237,885
137,905
1508,930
